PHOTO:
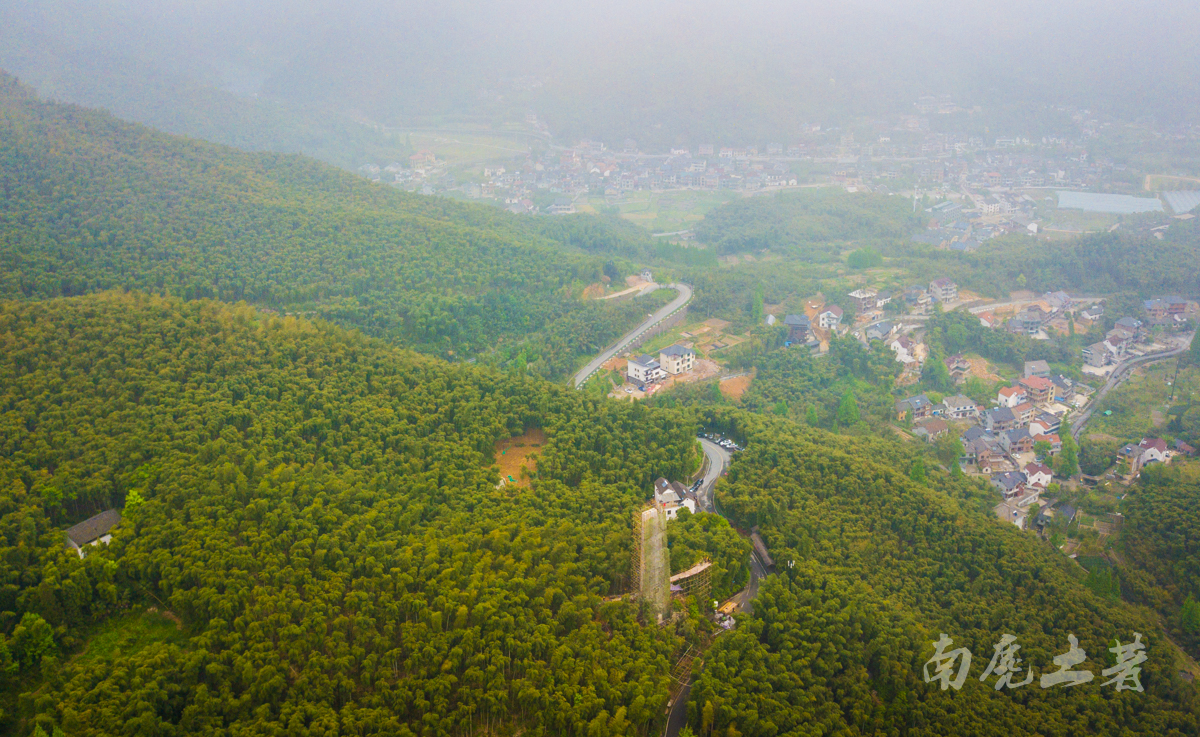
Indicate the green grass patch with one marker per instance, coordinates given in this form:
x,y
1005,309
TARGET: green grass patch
x,y
664,212
1141,405
128,634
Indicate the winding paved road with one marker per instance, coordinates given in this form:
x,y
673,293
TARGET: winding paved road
x,y
1115,378
718,460
677,304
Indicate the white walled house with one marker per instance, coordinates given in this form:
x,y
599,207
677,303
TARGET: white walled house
x,y
1011,396
1038,474
644,370
677,359
830,318
943,290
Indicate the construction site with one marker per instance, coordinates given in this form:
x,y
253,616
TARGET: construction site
x,y
654,586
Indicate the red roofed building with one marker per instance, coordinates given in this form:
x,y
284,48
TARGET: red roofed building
x,y
1037,389
1152,450
1024,412
1053,439
1011,396
1038,475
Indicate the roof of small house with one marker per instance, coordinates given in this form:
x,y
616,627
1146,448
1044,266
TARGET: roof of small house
x,y
1002,414
1008,480
1153,443
958,401
1017,434
645,360
1034,468
677,350
94,528
933,426
1037,383
973,432
879,330
797,321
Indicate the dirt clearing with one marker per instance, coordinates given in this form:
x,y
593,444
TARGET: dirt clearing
x,y
516,453
981,368
734,388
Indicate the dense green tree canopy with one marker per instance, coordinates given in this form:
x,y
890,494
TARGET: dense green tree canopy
x,y
873,567
92,203
812,225
322,513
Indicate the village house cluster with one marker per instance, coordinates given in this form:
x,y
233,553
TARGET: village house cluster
x,y
1002,443
1052,312
813,328
1168,313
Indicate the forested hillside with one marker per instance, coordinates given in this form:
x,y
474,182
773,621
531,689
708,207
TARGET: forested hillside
x,y
93,203
1161,546
1098,263
874,566
321,512
811,225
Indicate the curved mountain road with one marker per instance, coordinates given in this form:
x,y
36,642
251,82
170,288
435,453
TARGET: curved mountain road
x,y
675,305
718,460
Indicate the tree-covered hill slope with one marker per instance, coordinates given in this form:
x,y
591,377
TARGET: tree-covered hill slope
x,y
88,202
874,567
321,512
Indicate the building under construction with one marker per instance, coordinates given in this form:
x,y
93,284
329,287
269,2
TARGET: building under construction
x,y
651,562
695,581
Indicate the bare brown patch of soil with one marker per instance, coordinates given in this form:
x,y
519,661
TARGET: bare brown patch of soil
x,y
517,453
736,387
616,363
593,291
981,368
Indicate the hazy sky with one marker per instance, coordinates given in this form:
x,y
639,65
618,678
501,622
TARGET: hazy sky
x,y
653,58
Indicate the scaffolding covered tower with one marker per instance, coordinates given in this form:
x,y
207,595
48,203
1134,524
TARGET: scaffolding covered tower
x,y
651,562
